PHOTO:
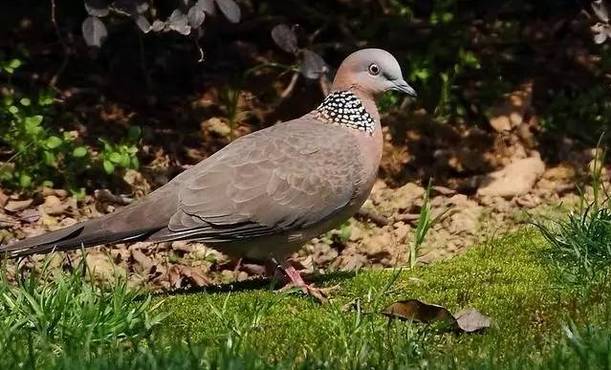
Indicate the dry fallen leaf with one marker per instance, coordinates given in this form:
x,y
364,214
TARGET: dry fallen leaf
x,y
178,273
53,206
466,321
143,260
471,320
174,276
415,310
197,278
17,205
29,215
3,198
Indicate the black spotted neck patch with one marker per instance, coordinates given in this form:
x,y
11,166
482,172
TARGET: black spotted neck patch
x,y
344,108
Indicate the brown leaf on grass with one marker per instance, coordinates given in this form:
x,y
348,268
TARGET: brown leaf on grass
x,y
471,320
415,310
17,205
465,321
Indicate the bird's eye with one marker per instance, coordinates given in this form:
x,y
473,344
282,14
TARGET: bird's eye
x,y
374,70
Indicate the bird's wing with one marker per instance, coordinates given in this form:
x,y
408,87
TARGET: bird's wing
x,y
287,177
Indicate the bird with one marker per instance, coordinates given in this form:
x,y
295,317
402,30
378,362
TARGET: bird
x,y
266,194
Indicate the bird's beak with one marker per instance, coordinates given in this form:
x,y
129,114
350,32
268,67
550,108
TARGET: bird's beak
x,y
404,87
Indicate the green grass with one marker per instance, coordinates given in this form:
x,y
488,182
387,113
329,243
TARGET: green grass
x,y
540,320
507,280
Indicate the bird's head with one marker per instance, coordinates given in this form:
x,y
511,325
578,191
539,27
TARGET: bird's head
x,y
372,71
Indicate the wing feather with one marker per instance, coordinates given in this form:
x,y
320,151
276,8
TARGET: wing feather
x,y
289,176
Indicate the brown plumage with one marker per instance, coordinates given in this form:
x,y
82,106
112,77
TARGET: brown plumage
x,y
267,193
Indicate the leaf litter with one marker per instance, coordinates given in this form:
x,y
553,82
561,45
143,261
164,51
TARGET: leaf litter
x,y
465,321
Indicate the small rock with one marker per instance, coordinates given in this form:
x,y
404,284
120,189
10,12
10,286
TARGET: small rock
x,y
515,179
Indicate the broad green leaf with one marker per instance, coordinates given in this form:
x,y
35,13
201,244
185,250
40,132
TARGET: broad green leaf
x,y
135,162
25,102
50,159
15,63
134,133
109,168
54,142
33,121
79,152
25,180
45,98
115,157
125,159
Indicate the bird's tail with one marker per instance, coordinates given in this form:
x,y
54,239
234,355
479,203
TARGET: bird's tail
x,y
82,235
133,223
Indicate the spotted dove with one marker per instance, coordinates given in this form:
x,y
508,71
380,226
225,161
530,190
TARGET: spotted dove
x,y
267,193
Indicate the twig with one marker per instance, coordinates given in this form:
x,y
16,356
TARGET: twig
x,y
365,215
106,195
199,48
289,89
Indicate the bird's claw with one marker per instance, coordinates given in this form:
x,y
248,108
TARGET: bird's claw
x,y
320,294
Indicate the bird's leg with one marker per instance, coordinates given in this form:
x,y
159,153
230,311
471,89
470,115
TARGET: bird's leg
x,y
297,282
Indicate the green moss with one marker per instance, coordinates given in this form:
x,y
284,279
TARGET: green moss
x,y
506,279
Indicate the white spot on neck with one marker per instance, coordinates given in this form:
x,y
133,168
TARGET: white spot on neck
x,y
344,108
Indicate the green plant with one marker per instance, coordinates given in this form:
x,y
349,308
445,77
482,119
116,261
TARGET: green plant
x,y
122,155
423,225
581,241
49,315
35,152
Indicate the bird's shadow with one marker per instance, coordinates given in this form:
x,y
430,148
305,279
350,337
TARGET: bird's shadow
x,y
259,283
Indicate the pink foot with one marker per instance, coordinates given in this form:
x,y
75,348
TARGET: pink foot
x,y
296,282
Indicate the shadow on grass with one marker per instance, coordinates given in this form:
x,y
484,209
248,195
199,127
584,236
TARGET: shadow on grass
x,y
261,283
